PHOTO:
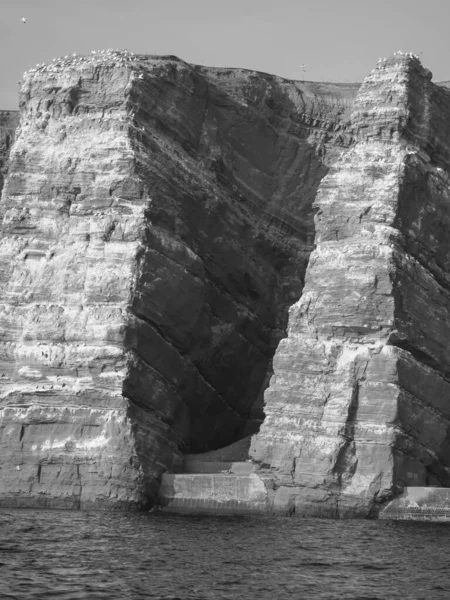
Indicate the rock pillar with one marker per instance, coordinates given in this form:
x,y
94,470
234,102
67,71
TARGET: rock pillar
x,y
359,402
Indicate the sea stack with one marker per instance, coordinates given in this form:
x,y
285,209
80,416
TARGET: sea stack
x,y
359,404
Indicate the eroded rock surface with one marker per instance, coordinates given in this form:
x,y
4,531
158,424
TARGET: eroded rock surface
x,y
157,222
359,403
9,119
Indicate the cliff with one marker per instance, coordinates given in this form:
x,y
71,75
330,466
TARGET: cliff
x,y
169,229
157,222
359,403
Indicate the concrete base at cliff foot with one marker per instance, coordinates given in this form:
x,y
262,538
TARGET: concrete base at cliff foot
x,y
214,493
420,504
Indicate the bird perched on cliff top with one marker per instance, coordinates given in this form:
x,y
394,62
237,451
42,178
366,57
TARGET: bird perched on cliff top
x,y
23,20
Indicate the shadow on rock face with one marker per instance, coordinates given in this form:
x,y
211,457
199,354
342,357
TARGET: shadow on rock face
x,y
231,161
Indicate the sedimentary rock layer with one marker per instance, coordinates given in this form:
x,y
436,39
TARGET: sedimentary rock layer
x,y
359,403
156,224
9,119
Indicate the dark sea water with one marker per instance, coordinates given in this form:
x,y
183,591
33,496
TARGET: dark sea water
x,y
92,555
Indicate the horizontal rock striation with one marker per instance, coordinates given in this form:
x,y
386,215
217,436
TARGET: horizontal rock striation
x,y
358,406
157,222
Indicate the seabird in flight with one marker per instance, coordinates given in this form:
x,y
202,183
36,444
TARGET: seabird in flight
x,y
23,20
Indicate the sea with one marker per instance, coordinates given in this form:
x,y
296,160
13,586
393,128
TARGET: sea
x,y
67,555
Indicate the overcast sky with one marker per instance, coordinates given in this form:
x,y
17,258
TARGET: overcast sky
x,y
339,40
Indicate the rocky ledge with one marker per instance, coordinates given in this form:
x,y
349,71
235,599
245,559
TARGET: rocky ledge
x,y
159,239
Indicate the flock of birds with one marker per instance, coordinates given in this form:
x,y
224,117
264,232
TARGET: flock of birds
x,y
406,54
123,56
102,54
381,64
96,57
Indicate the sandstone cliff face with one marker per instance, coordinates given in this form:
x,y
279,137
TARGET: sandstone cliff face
x,y
9,119
358,406
157,222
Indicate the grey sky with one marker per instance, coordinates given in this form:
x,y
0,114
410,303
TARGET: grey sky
x,y
339,40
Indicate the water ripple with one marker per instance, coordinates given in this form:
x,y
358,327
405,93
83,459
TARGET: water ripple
x,y
65,555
